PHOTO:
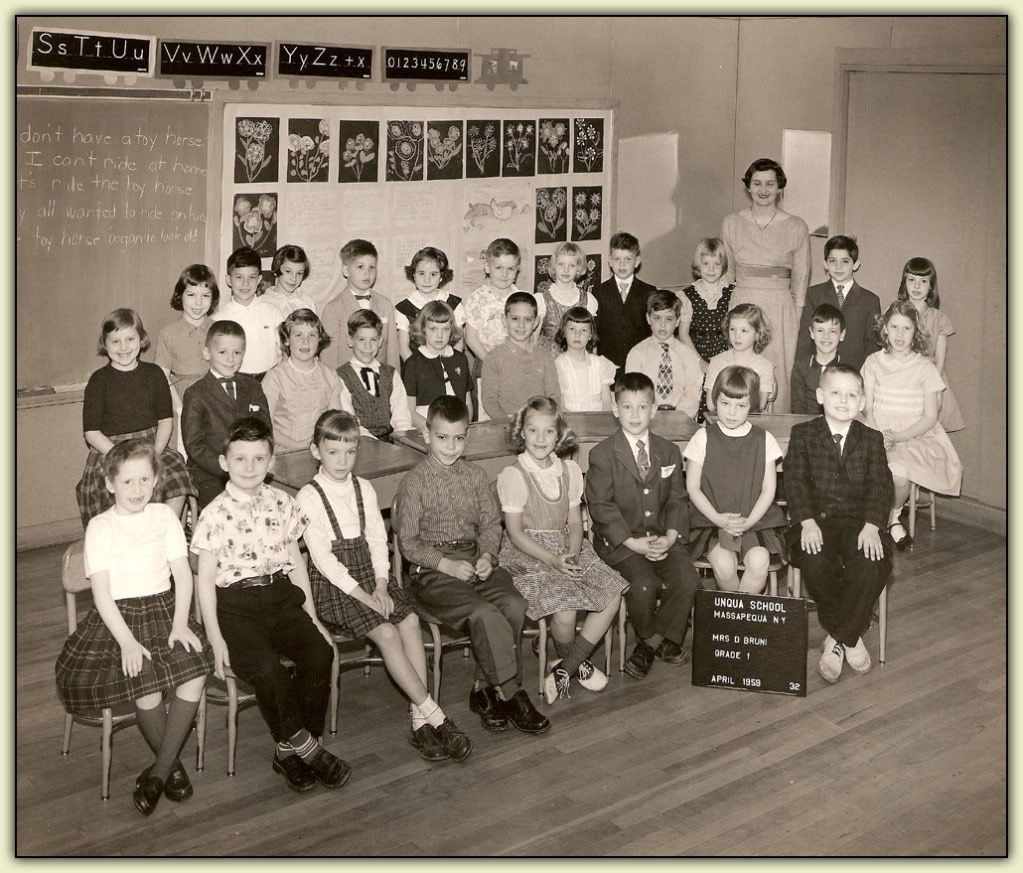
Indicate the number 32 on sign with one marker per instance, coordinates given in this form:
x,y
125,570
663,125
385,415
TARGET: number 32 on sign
x,y
750,642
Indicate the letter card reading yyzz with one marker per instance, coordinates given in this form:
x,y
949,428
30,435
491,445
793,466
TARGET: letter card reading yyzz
x,y
750,642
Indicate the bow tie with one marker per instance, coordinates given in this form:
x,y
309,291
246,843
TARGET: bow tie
x,y
362,296
225,380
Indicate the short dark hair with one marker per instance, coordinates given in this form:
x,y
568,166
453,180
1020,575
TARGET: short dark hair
x,y
625,241
192,276
503,246
520,297
246,256
921,267
451,409
121,319
224,327
364,318
660,300
839,241
634,382
762,164
577,315
357,248
296,254
737,382
129,450
430,253
838,369
826,312
248,430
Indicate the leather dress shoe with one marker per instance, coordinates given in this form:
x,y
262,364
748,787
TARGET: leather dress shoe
x,y
456,743
521,713
486,705
178,786
640,661
429,744
330,770
298,773
671,653
147,792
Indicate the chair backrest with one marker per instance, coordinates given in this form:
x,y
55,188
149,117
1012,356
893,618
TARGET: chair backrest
x,y
73,580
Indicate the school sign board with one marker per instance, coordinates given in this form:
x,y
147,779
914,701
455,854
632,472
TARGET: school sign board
x,y
750,642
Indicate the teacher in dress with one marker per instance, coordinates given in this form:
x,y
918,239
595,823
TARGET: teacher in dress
x,y
769,252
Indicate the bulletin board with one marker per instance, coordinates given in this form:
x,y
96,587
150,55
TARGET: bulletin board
x,y
111,206
405,176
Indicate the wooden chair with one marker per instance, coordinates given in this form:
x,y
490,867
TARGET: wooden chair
x,y
541,635
915,504
704,566
795,586
74,581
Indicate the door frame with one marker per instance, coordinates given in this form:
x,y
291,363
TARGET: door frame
x,y
984,62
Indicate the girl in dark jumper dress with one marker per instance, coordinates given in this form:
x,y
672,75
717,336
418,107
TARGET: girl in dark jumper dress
x,y
731,478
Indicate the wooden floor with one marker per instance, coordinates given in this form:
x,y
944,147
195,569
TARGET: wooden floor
x,y
907,760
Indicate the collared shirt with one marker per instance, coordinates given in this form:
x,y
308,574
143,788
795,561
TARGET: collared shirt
x,y
686,372
297,397
249,533
437,504
288,303
632,440
179,347
400,417
259,320
319,535
514,492
418,299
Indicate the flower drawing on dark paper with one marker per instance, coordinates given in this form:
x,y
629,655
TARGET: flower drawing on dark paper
x,y
550,215
256,150
592,278
483,159
541,274
308,149
359,158
404,151
586,213
255,222
554,153
589,145
444,145
519,148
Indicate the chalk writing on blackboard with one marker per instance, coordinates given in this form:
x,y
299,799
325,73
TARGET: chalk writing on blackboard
x,y
433,65
299,59
213,60
108,188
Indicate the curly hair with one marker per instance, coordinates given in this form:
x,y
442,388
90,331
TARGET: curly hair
x,y
429,253
759,166
129,450
539,403
757,320
921,341
302,316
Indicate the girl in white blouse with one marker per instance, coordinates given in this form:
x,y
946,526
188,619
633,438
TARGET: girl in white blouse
x,y
585,377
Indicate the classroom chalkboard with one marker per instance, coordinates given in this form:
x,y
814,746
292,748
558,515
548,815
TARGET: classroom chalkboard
x,y
111,206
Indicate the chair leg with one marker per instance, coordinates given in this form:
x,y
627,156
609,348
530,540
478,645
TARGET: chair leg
x,y
200,734
438,651
621,638
795,582
69,722
882,622
541,652
914,494
368,651
232,722
335,690
106,750
773,585
934,500
609,639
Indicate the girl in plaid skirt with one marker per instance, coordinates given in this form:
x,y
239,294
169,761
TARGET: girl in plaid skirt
x,y
125,650
352,588
128,398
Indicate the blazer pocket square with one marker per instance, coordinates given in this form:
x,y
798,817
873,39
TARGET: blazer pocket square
x,y
667,471
253,407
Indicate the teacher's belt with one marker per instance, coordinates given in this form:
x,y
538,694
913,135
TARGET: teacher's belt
x,y
763,277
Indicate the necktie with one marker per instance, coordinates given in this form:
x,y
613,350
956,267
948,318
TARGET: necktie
x,y
642,459
837,437
840,291
369,380
229,386
623,289
664,374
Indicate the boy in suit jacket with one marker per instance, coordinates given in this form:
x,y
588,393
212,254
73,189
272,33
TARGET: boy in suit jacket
x,y
839,490
859,307
212,404
622,302
359,266
637,500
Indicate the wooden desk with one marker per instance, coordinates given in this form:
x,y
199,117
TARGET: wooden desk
x,y
489,447
384,464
